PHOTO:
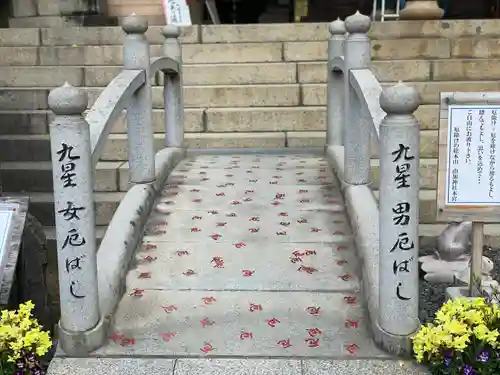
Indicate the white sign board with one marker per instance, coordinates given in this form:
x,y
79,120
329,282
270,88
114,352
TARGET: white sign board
x,y
6,213
177,12
472,174
13,212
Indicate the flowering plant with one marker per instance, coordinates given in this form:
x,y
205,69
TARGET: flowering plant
x,y
22,342
464,339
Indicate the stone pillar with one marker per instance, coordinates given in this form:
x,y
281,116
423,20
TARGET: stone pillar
x,y
399,211
357,131
80,328
421,10
172,90
335,86
141,153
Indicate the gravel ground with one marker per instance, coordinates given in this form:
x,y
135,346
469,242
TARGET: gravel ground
x,y
432,294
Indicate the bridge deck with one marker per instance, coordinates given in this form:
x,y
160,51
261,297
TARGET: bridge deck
x,y
246,255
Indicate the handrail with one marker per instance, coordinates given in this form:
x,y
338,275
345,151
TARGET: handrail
x,y
90,290
165,65
337,64
109,106
368,90
359,111
116,96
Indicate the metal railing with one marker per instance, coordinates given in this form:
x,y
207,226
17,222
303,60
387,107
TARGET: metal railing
x,y
364,120
91,282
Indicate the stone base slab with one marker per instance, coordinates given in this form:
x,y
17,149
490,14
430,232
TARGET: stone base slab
x,y
187,366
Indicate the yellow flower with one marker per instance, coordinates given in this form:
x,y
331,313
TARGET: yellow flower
x,y
473,317
484,334
455,327
460,343
25,310
19,331
456,323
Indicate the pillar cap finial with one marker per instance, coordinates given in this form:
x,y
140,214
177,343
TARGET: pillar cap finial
x,y
358,23
337,27
134,24
400,99
171,31
68,100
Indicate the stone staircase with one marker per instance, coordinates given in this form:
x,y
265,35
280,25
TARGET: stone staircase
x,y
246,86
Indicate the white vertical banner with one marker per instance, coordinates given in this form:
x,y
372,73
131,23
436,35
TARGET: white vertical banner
x,y
177,12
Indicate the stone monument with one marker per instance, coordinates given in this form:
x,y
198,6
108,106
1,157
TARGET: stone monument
x,y
451,261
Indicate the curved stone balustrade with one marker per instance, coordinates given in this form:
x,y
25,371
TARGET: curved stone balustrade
x,y
89,297
360,112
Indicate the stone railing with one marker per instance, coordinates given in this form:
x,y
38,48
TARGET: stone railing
x,y
362,120
91,282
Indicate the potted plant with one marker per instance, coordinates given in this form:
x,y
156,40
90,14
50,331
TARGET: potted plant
x,y
22,342
464,339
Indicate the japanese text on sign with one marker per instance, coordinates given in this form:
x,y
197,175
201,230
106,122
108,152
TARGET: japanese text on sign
x,y
177,12
401,217
71,213
471,177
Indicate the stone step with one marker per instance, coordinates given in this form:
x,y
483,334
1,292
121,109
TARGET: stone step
x,y
315,94
255,73
15,98
310,72
379,30
428,142
399,49
189,366
37,147
18,122
275,95
41,35
21,37
36,176
436,71
42,206
36,121
212,119
288,32
42,21
305,118
428,48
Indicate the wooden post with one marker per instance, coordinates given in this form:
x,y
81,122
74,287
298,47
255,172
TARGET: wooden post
x,y
476,259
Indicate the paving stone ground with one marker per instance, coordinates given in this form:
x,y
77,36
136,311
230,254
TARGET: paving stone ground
x,y
247,267
245,256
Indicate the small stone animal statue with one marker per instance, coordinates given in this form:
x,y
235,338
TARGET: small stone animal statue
x,y
440,271
451,261
454,241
